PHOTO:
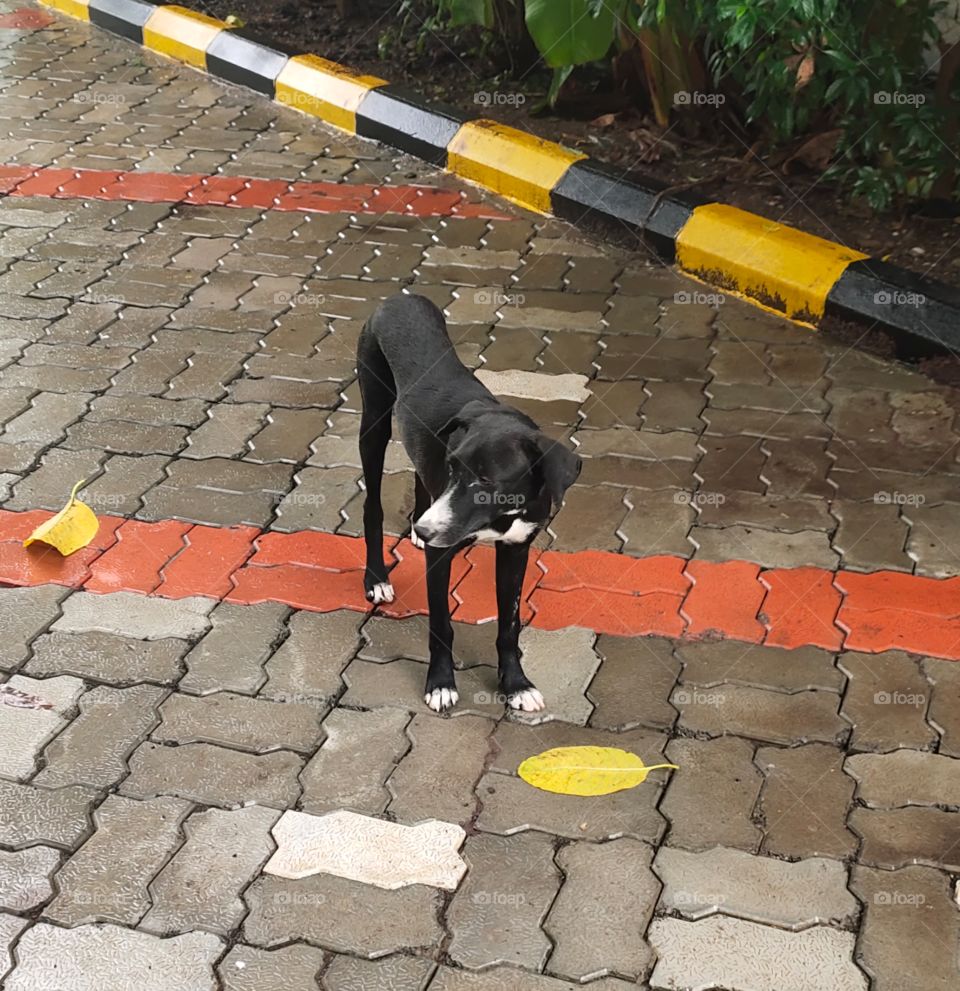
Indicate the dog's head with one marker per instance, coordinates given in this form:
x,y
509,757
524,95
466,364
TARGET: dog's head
x,y
504,477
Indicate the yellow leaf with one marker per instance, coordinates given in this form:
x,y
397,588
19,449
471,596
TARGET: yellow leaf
x,y
586,770
72,528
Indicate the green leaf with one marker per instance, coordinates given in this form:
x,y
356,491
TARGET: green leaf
x,y
463,13
566,32
560,75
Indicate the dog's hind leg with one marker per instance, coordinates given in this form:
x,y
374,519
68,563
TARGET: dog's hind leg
x,y
378,393
421,503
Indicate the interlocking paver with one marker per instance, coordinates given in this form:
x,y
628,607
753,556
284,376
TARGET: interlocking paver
x,y
100,957
711,802
509,979
602,912
25,730
228,846
905,777
633,685
210,775
105,656
138,616
759,889
108,877
25,878
733,953
398,973
496,915
944,710
805,801
24,614
94,748
910,929
288,968
893,838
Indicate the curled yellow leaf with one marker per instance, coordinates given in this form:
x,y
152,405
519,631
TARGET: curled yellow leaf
x,y
586,770
72,528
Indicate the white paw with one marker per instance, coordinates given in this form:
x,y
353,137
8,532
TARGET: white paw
x,y
381,593
417,542
529,700
441,699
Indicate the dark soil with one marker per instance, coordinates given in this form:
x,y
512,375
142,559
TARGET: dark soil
x,y
595,120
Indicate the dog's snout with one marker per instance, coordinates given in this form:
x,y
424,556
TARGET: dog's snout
x,y
425,533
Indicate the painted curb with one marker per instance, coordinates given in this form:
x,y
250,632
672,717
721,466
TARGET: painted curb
x,y
787,271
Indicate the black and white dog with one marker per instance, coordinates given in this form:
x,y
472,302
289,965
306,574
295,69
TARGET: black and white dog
x,y
484,471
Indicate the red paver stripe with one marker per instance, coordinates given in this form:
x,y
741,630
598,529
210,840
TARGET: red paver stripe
x,y
661,595
239,191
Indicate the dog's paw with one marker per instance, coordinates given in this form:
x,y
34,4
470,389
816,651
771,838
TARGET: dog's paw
x,y
441,699
382,592
527,700
417,542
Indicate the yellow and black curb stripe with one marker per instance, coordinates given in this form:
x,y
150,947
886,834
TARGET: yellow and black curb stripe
x,y
796,274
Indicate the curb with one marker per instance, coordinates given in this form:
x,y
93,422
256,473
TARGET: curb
x,y
786,271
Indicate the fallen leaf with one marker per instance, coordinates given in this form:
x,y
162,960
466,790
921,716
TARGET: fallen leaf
x,y
586,770
72,528
604,120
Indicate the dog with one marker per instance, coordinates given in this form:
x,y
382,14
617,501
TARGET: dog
x,y
484,471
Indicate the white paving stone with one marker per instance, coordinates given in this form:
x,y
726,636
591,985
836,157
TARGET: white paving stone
x,y
742,956
26,722
10,928
142,617
25,877
372,851
110,958
761,889
561,663
536,385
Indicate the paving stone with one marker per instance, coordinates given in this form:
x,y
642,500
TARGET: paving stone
x,y
707,665
94,748
334,779
341,915
509,979
766,512
307,666
910,929
24,614
900,837
226,431
120,489
396,973
658,523
871,536
139,616
58,817
933,540
24,730
426,785
289,968
633,685
47,419
10,929
602,912
752,712
738,884
257,725
107,879
25,878
886,700
106,657
316,501
495,916
905,777
228,846
805,801
710,800
589,520
732,953
645,444
109,958
731,463
209,775
807,548
944,710
44,488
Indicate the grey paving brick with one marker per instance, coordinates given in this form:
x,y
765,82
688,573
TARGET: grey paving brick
x,y
496,915
707,665
893,838
228,846
633,685
106,657
24,614
317,498
289,968
738,884
94,748
226,433
210,775
944,711
871,536
25,878
905,777
47,487
58,817
335,779
24,731
933,540
600,917
710,800
132,615
509,979
806,548
107,878
396,973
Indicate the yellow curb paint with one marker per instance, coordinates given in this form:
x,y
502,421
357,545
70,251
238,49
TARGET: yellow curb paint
x,y
787,270
73,8
181,34
517,165
325,89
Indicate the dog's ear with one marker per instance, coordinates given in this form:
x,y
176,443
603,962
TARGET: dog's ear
x,y
560,468
463,419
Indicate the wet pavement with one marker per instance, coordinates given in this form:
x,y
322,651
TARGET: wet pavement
x,y
196,360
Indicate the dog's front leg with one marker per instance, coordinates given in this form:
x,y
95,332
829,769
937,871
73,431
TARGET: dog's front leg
x,y
514,684
441,690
